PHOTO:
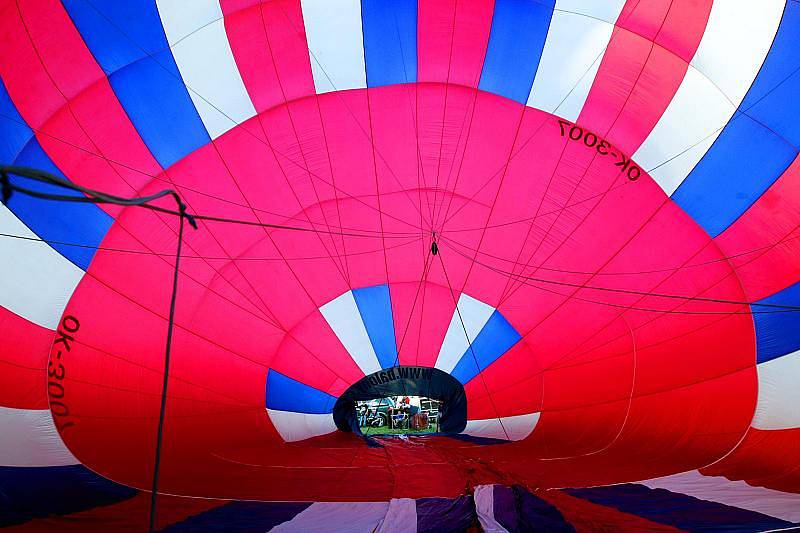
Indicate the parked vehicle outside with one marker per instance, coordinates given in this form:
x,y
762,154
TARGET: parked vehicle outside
x,y
378,411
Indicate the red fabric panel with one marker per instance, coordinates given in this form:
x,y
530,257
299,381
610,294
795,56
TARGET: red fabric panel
x,y
23,362
507,397
642,68
312,354
269,45
764,458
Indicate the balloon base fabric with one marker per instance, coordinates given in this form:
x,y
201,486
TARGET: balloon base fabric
x,y
102,505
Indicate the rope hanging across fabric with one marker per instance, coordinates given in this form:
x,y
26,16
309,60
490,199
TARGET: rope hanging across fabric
x,y
98,197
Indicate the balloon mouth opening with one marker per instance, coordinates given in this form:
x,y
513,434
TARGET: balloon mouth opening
x,y
427,382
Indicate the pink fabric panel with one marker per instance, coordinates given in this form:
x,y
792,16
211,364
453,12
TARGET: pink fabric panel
x,y
269,45
313,355
764,243
451,40
64,96
422,314
642,68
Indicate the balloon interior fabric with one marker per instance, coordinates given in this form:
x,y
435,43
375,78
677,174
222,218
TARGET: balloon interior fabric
x,y
575,223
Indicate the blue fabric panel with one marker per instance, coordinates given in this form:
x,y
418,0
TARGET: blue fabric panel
x,y
241,516
443,515
756,146
14,132
375,307
287,394
52,221
28,493
778,334
390,41
772,99
496,337
519,30
678,510
746,159
128,41
517,510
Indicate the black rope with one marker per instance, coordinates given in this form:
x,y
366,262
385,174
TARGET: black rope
x,y
91,196
163,409
97,197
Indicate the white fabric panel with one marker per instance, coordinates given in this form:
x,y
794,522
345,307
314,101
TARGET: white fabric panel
x,y
484,508
608,10
684,124
335,44
475,314
736,41
571,56
37,281
28,437
299,426
783,505
778,404
401,517
737,38
512,428
348,517
345,320
195,31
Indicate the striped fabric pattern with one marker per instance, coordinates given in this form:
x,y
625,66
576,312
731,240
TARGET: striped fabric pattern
x,y
376,127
